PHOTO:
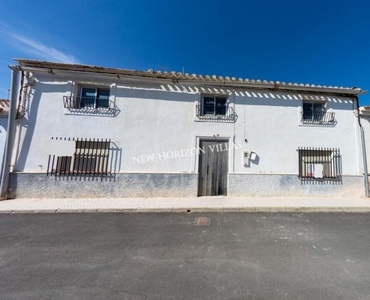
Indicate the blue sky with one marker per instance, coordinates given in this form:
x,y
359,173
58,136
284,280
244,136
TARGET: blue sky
x,y
321,42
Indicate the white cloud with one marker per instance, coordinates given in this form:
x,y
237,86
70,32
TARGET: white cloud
x,y
33,47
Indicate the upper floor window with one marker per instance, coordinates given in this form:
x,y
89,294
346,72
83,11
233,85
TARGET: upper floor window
x,y
94,97
89,99
212,105
314,113
215,108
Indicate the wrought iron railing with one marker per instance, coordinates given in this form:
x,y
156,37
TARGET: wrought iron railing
x,y
319,163
324,118
216,113
91,157
86,103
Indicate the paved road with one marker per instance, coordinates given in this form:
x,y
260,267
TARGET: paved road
x,y
165,256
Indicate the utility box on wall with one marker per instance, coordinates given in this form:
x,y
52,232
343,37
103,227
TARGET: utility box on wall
x,y
248,156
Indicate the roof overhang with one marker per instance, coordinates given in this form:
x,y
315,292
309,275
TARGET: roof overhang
x,y
181,78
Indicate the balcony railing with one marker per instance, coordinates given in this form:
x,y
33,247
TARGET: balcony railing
x,y
216,113
324,119
86,103
90,106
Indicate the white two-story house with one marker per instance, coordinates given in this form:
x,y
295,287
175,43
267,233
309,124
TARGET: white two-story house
x,y
88,131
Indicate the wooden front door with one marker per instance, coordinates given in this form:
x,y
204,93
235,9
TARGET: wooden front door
x,y
213,168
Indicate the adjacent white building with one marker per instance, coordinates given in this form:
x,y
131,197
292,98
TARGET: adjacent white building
x,y
364,112
90,131
4,110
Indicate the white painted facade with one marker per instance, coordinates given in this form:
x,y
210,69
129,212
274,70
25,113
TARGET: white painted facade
x,y
3,131
365,123
4,110
155,130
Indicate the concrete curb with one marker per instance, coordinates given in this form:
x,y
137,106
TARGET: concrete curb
x,y
196,210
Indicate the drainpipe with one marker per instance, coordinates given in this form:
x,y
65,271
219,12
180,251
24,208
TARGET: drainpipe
x,y
364,158
9,143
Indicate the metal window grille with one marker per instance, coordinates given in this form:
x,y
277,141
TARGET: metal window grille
x,y
214,105
84,103
316,114
91,157
324,118
223,113
319,163
215,108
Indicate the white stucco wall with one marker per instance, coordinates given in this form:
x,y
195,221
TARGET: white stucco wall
x,y
154,119
155,133
365,122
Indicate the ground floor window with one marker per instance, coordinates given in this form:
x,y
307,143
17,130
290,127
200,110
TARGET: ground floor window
x,y
90,157
319,163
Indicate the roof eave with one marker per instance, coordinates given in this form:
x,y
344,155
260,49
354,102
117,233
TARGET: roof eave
x,y
175,77
323,90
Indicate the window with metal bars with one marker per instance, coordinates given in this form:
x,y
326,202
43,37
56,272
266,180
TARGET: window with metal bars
x,y
214,105
315,114
319,163
94,97
90,157
313,111
215,108
90,98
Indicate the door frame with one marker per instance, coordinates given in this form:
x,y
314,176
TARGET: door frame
x,y
219,137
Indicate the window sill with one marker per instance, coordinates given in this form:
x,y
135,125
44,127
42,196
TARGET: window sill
x,y
217,119
97,112
309,123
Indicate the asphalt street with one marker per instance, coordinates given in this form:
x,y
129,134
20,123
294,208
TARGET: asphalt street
x,y
174,256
